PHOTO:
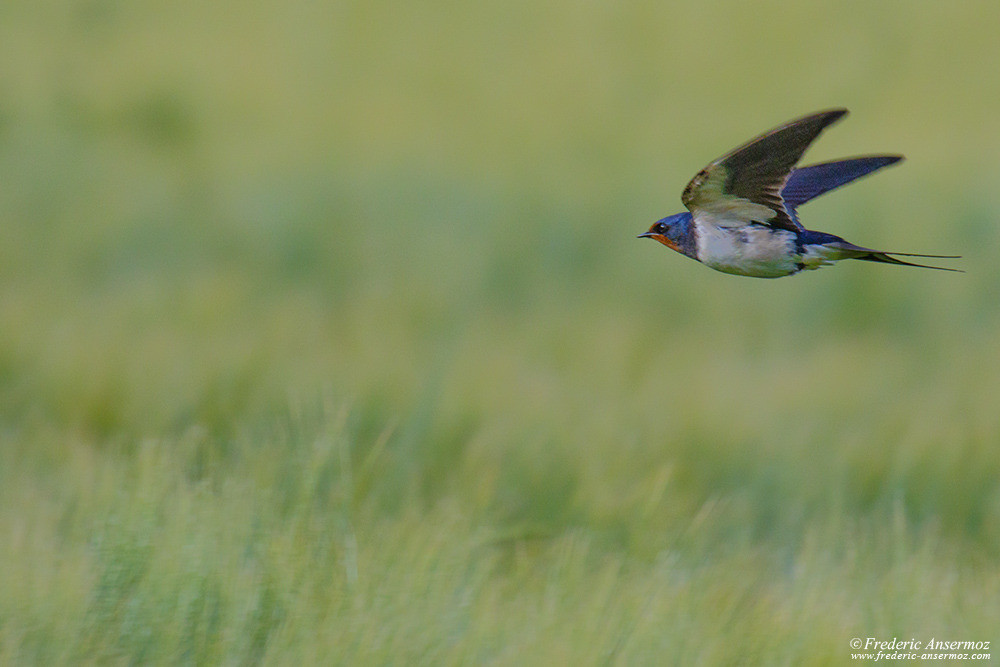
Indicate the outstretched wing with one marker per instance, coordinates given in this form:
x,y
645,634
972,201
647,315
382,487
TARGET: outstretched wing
x,y
806,183
745,185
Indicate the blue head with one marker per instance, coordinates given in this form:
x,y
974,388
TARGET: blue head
x,y
676,232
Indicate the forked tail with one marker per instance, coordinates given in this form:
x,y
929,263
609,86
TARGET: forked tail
x,y
869,255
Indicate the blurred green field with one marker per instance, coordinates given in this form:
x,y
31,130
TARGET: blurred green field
x,y
325,337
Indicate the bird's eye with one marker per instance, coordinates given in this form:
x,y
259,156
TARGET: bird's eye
x,y
661,228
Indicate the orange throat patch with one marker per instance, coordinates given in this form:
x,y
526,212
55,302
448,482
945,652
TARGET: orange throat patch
x,y
665,241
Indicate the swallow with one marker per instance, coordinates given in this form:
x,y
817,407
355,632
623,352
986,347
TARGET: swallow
x,y
742,218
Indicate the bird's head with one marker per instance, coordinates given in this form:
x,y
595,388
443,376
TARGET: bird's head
x,y
675,232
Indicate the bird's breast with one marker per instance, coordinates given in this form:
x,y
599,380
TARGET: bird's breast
x,y
748,250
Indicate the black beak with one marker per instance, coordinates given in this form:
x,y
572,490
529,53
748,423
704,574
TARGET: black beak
x,y
645,235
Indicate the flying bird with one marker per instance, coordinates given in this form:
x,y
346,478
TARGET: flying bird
x,y
741,215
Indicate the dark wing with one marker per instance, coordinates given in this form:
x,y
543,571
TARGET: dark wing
x,y
745,185
807,183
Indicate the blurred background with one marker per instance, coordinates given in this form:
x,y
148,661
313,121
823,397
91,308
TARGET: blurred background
x,y
353,289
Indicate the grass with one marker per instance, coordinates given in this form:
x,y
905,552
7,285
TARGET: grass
x,y
326,340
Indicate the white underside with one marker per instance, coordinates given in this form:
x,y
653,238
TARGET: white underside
x,y
816,256
757,250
